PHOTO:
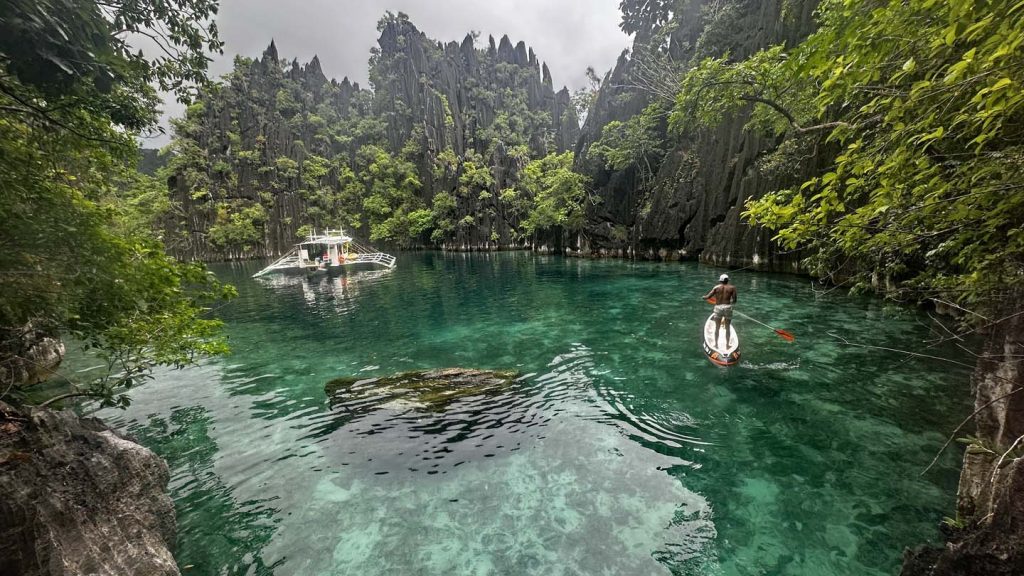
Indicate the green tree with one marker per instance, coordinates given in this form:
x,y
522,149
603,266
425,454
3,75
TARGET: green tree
x,y
474,175
71,64
443,216
558,195
583,99
926,101
77,258
392,205
644,18
637,143
238,228
718,88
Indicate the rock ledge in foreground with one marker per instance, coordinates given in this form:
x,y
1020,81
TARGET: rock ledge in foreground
x,y
76,498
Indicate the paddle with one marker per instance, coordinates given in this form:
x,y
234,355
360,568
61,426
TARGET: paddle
x,y
787,336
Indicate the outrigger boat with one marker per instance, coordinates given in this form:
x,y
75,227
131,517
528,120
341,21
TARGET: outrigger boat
x,y
332,250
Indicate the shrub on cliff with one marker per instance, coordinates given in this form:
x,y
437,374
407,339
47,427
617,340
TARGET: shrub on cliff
x,y
557,195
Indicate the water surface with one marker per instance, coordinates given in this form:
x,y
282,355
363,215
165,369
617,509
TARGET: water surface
x,y
620,449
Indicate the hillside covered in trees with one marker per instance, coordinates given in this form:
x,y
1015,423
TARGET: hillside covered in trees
x,y
455,146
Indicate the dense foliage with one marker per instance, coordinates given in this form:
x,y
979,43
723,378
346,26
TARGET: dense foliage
x,y
926,100
79,254
276,149
635,144
557,195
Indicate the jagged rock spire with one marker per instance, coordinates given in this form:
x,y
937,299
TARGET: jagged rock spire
x,y
271,52
506,53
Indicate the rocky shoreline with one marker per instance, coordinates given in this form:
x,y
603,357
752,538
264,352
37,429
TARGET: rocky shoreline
x,y
78,498
988,538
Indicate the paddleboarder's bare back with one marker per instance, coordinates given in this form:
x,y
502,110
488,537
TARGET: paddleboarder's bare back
x,y
725,296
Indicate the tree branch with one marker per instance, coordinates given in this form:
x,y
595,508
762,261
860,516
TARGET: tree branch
x,y
45,116
952,434
999,463
69,395
789,116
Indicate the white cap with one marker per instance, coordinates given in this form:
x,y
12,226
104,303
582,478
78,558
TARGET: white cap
x,y
723,278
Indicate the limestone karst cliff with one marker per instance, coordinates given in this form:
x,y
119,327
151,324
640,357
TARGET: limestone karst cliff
x,y
427,156
688,204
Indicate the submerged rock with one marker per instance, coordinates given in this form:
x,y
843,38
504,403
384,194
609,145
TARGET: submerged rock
x,y
76,498
429,390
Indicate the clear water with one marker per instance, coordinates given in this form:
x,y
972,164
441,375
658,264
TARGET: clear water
x,y
621,450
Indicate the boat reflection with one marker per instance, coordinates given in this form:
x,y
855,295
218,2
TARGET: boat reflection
x,y
342,291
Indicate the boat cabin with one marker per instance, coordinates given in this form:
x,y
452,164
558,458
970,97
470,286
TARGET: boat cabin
x,y
327,250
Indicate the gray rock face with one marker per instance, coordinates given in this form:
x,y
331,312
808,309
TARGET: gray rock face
x,y
439,97
76,498
457,93
28,355
249,111
991,493
693,207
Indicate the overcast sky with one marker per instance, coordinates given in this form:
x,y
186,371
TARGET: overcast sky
x,y
568,34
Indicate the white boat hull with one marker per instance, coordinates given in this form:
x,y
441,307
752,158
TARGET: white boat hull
x,y
290,264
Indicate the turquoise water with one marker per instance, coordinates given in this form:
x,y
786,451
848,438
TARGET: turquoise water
x,y
620,450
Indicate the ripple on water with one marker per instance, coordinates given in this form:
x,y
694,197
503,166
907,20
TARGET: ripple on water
x,y
619,450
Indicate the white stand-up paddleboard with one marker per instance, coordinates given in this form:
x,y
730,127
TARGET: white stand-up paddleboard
x,y
727,353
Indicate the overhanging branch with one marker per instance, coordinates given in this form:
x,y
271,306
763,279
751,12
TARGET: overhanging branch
x,y
789,115
44,115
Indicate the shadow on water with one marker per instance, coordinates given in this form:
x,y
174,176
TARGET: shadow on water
x,y
617,449
448,427
182,440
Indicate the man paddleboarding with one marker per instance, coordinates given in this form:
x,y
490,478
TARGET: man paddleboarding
x,y
724,295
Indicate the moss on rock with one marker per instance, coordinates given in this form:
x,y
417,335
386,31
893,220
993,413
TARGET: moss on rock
x,y
429,390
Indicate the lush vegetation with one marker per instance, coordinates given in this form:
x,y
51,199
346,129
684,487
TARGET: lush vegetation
x,y
925,101
915,104
79,253
898,127
635,144
276,149
557,196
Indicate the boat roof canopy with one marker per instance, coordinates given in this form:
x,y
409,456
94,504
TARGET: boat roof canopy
x,y
328,237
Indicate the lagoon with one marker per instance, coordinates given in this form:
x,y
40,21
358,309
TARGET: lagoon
x,y
618,450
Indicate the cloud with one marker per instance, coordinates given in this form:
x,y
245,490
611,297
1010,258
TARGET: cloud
x,y
567,34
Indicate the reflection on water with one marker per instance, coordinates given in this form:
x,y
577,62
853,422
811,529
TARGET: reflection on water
x,y
340,290
183,440
616,449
